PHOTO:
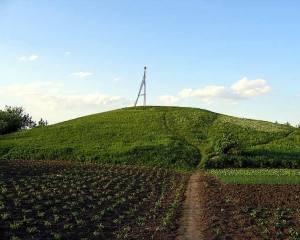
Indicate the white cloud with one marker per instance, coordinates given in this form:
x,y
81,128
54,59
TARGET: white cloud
x,y
168,99
250,88
117,79
185,93
209,92
298,95
245,84
242,89
31,58
208,102
52,96
67,53
81,74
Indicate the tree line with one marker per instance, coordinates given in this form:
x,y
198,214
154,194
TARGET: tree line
x,y
14,119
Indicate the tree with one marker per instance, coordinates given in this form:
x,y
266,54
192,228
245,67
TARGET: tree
x,y
13,119
288,124
42,123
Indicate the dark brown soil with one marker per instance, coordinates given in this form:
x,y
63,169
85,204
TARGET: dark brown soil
x,y
249,211
56,200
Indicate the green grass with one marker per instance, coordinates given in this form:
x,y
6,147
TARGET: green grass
x,y
171,137
257,176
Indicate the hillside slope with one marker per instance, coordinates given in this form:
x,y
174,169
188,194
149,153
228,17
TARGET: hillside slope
x,y
172,137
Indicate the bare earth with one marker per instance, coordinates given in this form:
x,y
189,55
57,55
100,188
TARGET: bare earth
x,y
192,210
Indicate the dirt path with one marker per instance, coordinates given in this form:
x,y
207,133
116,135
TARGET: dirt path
x,y
191,216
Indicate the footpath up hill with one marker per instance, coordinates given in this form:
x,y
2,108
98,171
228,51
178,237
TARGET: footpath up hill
x,y
171,137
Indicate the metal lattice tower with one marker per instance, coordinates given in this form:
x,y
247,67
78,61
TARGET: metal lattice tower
x,y
143,84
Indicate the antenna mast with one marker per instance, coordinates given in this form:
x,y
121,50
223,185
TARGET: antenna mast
x,y
142,84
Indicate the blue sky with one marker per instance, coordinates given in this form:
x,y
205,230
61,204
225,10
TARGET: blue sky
x,y
65,59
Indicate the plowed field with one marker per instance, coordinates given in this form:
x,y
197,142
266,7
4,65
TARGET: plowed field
x,y
61,200
58,200
249,211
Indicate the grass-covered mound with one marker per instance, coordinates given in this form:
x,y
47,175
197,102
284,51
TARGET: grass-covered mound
x,y
171,137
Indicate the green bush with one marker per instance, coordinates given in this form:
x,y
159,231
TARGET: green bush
x,y
13,119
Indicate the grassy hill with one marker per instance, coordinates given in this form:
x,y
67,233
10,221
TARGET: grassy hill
x,y
171,137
